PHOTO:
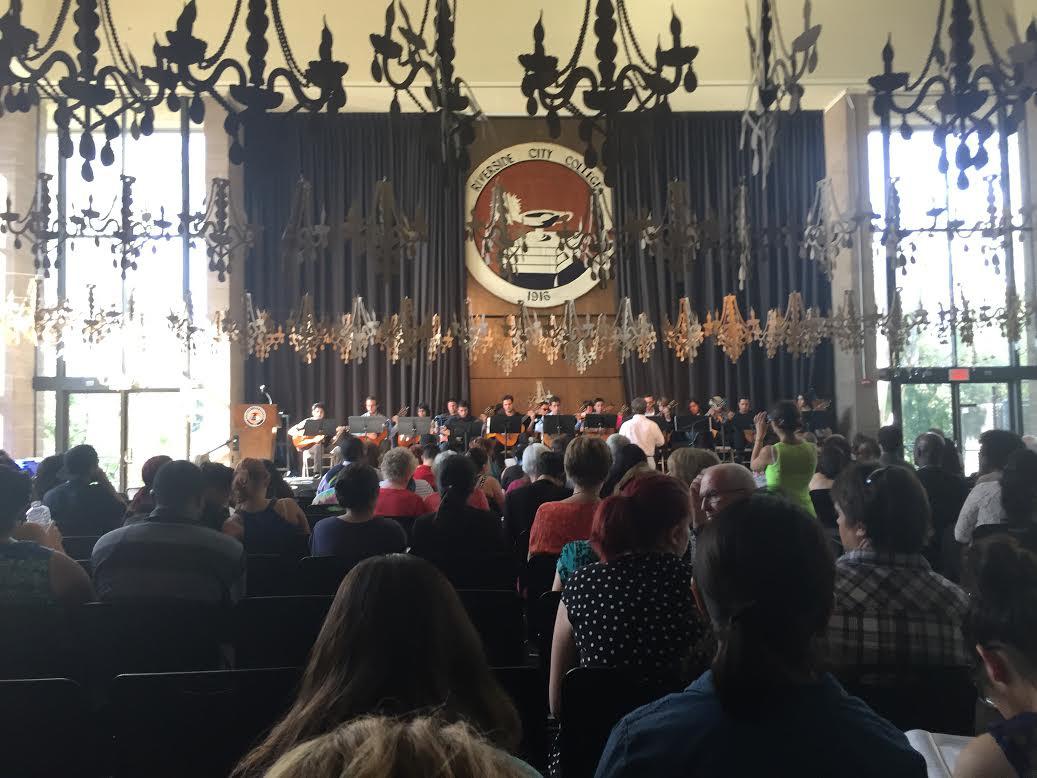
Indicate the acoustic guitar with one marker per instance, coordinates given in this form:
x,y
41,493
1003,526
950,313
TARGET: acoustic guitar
x,y
505,439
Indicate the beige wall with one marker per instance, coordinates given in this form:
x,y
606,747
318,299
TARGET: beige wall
x,y
491,34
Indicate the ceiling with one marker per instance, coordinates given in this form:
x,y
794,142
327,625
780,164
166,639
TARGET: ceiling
x,y
490,34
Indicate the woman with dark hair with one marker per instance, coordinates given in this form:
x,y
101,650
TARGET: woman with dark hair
x,y
983,505
629,457
48,475
587,461
456,528
890,607
1001,625
358,533
278,489
364,662
834,457
262,524
143,501
1018,500
766,692
789,464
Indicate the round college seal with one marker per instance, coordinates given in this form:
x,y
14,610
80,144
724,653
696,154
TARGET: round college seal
x,y
538,217
255,416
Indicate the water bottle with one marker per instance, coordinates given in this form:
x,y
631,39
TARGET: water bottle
x,y
39,513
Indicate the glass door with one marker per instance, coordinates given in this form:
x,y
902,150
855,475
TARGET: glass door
x,y
96,418
980,407
154,425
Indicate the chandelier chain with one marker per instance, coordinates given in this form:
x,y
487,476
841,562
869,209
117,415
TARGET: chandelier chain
x,y
218,54
282,39
55,33
113,37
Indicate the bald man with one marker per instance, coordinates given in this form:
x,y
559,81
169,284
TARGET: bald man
x,y
719,486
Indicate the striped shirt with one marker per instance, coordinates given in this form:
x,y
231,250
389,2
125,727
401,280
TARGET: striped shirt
x,y
892,609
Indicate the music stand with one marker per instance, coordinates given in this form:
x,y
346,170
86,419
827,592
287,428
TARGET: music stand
x,y
412,427
461,431
366,425
662,424
325,427
684,428
506,425
601,421
559,425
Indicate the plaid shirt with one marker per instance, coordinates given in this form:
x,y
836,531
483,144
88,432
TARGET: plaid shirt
x,y
893,609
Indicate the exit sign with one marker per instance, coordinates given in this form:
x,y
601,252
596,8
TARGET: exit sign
x,y
959,374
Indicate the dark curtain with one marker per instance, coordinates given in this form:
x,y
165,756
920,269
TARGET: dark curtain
x,y
343,157
703,150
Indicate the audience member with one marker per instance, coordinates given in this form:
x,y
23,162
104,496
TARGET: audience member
x,y
477,500
559,443
169,554
866,450
834,457
424,470
1018,500
143,501
748,715
946,493
278,488
397,642
264,525
790,463
31,573
456,528
352,450
395,498
527,466
38,525
86,504
891,444
616,442
521,506
514,475
983,504
217,480
1001,628
380,747
890,607
629,458
485,482
358,533
686,464
48,475
635,608
718,487
587,463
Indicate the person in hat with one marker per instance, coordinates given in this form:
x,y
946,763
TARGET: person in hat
x,y
87,503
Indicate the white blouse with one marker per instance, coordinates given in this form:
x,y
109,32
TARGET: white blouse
x,y
982,506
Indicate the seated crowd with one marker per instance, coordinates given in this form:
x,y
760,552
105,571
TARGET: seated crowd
x,y
756,606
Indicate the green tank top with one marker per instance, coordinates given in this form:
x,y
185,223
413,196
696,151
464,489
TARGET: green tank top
x,y
793,467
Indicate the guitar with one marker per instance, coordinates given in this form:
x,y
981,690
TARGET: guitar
x,y
378,437
604,432
406,440
305,442
508,439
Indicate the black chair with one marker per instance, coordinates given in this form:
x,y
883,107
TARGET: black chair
x,y
271,575
79,546
47,729
538,575
321,574
197,724
529,694
406,522
277,631
594,699
315,513
497,616
542,615
87,565
151,636
37,641
938,699
486,571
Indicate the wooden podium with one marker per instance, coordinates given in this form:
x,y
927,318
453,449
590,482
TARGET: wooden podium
x,y
255,427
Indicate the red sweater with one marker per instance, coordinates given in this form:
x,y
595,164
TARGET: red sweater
x,y
398,502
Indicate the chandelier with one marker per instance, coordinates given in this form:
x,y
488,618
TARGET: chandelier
x,y
960,100
181,66
730,330
386,235
828,229
686,335
307,334
518,330
777,71
412,56
439,342
633,336
183,326
357,332
303,237
644,85
39,225
679,236
400,333
222,227
473,332
261,336
87,97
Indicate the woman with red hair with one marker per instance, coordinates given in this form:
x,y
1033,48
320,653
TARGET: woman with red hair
x,y
634,607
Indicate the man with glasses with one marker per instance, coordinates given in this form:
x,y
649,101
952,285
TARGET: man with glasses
x,y
718,487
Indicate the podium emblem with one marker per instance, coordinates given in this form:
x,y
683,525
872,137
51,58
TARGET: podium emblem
x,y
255,416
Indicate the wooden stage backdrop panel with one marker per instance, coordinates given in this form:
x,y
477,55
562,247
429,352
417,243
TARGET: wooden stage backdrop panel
x,y
488,382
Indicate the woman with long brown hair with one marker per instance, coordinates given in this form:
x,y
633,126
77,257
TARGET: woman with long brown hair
x,y
364,662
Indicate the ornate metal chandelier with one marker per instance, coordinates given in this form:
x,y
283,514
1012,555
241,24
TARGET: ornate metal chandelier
x,y
777,71
386,235
400,64
679,237
964,103
182,67
636,86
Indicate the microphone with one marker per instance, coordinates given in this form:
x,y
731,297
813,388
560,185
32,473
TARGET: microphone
x,y
265,393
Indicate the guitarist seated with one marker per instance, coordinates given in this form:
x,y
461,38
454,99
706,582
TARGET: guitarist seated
x,y
310,447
